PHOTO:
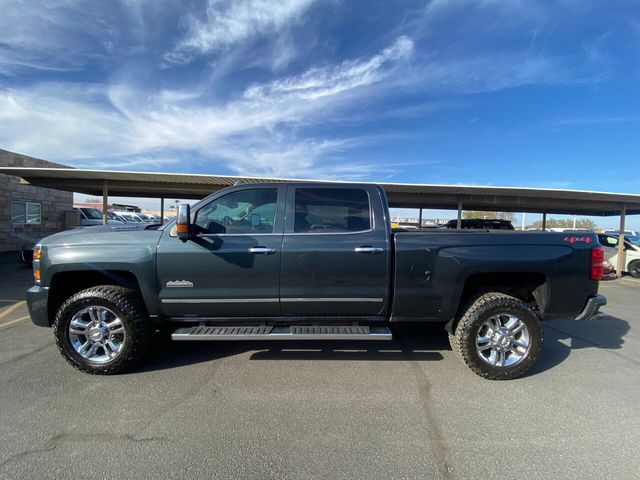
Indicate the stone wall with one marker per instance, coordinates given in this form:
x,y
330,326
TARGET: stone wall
x,y
54,204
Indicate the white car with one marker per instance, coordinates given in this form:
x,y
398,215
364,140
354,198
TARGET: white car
x,y
92,216
631,261
132,217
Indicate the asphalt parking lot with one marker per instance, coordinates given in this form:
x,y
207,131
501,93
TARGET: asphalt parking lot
x,y
403,409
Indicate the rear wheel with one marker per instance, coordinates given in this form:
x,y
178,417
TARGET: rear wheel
x,y
634,269
103,330
498,337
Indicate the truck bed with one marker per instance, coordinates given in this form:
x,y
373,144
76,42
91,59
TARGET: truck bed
x,y
434,268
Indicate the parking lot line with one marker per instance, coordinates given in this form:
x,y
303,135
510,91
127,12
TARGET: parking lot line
x,y
11,309
21,319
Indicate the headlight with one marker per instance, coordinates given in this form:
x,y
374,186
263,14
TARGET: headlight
x,y
37,253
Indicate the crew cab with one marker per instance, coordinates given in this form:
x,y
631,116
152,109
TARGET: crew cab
x,y
307,261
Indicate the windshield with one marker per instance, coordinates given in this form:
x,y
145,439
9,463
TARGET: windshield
x,y
634,239
92,213
130,217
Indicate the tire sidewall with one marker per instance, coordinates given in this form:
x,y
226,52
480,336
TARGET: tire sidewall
x,y
502,306
634,269
61,330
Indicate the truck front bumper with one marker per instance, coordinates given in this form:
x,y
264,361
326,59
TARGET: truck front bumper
x,y
592,307
37,302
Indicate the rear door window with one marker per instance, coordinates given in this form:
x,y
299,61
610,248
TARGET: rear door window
x,y
329,210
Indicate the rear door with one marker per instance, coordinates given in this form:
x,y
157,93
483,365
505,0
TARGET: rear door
x,y
335,252
231,266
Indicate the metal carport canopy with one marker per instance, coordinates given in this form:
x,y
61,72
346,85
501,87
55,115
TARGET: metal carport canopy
x,y
196,186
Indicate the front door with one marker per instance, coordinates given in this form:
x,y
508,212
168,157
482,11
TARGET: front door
x,y
231,265
335,253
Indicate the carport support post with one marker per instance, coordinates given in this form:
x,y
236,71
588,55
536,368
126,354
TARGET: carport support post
x,y
620,266
105,201
161,210
459,221
420,219
544,221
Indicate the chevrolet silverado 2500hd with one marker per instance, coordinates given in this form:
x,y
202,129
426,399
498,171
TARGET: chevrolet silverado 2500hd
x,y
307,261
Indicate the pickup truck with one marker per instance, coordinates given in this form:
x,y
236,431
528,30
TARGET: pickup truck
x,y
307,261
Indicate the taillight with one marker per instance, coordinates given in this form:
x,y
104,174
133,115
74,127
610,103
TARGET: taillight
x,y
597,263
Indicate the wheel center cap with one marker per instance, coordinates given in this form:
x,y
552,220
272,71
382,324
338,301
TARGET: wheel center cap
x,y
502,340
95,334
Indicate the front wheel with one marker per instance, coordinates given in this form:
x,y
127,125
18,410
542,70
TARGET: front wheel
x,y
498,337
103,330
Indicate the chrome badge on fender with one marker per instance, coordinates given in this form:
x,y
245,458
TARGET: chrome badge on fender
x,y
179,284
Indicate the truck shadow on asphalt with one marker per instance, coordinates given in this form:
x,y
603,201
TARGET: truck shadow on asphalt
x,y
562,336
410,343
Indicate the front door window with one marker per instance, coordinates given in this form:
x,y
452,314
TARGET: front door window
x,y
242,212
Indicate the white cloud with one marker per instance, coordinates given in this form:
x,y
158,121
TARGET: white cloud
x,y
488,73
131,163
60,35
254,132
229,22
322,82
61,121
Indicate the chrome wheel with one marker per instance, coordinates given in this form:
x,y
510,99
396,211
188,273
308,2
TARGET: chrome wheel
x,y
97,334
503,340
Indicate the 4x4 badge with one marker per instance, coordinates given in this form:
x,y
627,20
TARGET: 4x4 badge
x,y
179,284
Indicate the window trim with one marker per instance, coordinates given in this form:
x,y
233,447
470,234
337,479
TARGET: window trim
x,y
26,212
291,204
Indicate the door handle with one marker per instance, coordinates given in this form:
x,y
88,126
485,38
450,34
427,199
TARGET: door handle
x,y
262,250
368,249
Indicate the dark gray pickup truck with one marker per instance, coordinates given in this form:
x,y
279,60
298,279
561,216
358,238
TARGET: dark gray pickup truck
x,y
305,261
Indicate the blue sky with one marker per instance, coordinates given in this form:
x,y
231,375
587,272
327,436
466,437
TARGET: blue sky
x,y
487,92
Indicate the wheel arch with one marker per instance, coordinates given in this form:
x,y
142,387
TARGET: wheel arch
x,y
66,283
530,287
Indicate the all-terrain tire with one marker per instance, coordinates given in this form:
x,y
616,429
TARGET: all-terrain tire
x,y
128,306
463,339
634,269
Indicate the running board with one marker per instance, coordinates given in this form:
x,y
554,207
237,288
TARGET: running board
x,y
294,332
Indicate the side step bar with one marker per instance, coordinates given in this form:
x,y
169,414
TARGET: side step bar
x,y
294,332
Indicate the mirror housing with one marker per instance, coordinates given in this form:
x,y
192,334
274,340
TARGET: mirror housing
x,y
183,222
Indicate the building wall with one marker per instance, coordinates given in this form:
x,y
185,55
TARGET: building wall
x,y
54,204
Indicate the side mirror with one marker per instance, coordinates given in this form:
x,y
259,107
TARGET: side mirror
x,y
183,222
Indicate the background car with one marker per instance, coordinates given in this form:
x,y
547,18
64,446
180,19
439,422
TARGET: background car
x,y
635,239
480,224
92,216
130,216
631,263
